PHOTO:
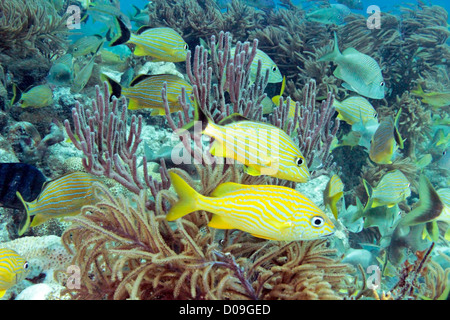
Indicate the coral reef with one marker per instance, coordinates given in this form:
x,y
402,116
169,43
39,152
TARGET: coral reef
x,y
126,251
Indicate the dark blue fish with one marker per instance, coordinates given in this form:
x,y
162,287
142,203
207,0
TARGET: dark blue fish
x,y
21,177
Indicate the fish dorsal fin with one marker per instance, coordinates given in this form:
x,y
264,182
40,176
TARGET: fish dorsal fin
x,y
429,208
143,29
139,79
398,138
226,188
232,118
350,51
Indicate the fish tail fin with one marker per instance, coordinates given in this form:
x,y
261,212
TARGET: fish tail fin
x,y
199,116
369,191
419,91
333,204
398,138
114,87
334,54
124,33
188,198
17,95
25,224
430,205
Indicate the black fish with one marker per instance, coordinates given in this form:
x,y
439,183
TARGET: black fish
x,y
22,177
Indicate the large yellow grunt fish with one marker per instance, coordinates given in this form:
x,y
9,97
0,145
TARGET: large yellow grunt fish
x,y
265,211
263,148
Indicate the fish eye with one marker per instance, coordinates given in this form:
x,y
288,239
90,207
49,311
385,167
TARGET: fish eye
x,y
299,161
382,84
26,265
274,68
317,221
186,46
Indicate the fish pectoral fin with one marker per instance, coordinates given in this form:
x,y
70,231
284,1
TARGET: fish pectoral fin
x,y
158,112
37,220
140,51
220,222
252,171
218,149
133,105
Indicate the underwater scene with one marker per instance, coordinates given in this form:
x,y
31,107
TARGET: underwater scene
x,y
224,150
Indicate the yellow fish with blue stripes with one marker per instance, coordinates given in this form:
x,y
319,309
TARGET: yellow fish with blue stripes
x,y
162,44
354,109
265,211
145,92
393,188
332,193
13,269
64,196
266,64
263,148
385,141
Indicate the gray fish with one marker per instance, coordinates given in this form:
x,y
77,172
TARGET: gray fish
x,y
61,72
86,45
360,72
335,14
82,77
170,157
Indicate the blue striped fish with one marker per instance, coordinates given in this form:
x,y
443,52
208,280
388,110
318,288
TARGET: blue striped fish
x,y
393,188
64,196
355,109
332,193
265,211
385,141
145,92
263,148
163,44
13,269
266,63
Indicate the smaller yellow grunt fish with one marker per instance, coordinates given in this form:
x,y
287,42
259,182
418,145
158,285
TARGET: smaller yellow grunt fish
x,y
263,148
163,44
434,99
145,92
13,269
64,196
266,64
265,211
385,141
37,97
354,109
332,193
393,188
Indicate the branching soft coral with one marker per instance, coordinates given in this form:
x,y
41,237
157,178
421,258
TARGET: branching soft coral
x,y
126,251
